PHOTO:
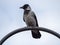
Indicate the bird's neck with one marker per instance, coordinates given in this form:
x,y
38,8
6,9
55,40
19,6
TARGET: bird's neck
x,y
26,11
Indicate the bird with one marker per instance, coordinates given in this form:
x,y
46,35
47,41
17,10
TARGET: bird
x,y
30,19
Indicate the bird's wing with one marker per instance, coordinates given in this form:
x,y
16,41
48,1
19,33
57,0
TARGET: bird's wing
x,y
33,14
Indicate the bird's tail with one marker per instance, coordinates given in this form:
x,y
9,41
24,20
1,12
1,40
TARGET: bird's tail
x,y
36,35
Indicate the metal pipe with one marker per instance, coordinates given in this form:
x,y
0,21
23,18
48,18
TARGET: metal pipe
x,y
26,29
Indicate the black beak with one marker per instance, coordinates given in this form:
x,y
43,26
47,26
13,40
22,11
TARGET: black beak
x,y
21,7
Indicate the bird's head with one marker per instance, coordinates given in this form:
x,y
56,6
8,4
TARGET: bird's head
x,y
26,7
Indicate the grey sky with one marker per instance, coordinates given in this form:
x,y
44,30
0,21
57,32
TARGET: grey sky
x,y
11,18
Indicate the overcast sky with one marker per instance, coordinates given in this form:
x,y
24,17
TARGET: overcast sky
x,y
11,18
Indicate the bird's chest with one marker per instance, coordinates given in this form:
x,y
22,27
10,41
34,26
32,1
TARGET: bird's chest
x,y
27,16
29,19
